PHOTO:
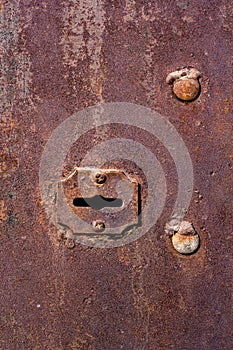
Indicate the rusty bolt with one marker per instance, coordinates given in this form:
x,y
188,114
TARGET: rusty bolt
x,y
185,82
100,178
98,226
185,240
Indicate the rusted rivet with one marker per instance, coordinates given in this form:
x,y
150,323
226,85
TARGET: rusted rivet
x,y
69,243
185,240
186,89
98,226
185,82
100,178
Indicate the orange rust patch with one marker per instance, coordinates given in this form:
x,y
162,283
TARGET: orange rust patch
x,y
8,164
3,210
2,8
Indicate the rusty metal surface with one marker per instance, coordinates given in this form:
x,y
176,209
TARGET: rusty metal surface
x,y
59,57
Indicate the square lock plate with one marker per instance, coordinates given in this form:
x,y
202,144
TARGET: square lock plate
x,y
91,196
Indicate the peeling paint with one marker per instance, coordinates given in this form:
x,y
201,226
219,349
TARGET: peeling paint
x,y
82,40
15,78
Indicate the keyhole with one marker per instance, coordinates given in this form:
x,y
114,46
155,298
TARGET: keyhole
x,y
98,202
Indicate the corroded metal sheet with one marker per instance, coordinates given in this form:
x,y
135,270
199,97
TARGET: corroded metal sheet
x,y
60,57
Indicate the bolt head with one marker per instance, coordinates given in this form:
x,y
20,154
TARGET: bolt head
x,y
98,225
100,178
186,89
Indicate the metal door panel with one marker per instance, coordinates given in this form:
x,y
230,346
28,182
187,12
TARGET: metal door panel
x,y
60,57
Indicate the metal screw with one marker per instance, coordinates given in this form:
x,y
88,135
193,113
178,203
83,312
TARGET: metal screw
x,y
98,226
186,240
100,178
186,85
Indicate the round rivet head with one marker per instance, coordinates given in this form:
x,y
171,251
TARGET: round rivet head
x,y
186,86
186,89
186,240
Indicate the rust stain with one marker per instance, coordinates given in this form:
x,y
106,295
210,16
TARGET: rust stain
x,y
2,8
228,104
10,133
141,301
7,164
124,255
3,211
83,341
60,57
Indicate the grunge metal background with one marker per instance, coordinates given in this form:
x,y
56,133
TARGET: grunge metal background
x,y
59,57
